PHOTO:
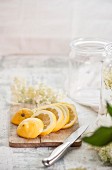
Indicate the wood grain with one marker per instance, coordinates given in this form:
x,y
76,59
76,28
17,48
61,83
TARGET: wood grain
x,y
57,138
53,139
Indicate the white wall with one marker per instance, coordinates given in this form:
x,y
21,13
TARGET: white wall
x,y
47,26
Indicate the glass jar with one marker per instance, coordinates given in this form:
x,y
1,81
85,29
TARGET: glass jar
x,y
106,93
85,65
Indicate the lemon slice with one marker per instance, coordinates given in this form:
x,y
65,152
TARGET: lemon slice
x,y
72,115
48,118
30,128
65,112
20,115
57,112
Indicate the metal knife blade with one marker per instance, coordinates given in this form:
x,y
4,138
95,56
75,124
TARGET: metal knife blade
x,y
60,150
74,136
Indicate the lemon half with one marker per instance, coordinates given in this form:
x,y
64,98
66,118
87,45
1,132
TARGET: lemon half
x,y
30,128
20,115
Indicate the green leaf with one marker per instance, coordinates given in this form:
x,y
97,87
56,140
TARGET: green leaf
x,y
109,109
100,137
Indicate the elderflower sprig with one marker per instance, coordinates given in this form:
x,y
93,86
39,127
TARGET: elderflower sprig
x,y
39,94
107,76
105,153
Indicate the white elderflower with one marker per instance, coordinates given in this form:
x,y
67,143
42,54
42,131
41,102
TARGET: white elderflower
x,y
107,75
105,153
40,94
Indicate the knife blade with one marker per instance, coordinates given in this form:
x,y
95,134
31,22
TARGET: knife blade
x,y
60,150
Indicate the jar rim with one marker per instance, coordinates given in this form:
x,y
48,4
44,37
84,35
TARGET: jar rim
x,y
89,45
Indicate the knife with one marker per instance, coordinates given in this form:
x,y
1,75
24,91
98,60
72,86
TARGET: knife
x,y
60,150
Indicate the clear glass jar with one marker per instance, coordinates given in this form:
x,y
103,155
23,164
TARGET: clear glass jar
x,y
85,65
106,93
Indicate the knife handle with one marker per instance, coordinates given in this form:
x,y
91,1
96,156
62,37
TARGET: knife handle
x,y
56,154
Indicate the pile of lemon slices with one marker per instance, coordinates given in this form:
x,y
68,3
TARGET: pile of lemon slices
x,y
44,120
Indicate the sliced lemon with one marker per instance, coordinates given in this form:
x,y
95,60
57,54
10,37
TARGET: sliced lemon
x,y
48,118
65,112
72,115
20,115
57,112
30,128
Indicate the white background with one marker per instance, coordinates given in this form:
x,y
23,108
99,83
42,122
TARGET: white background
x,y
47,26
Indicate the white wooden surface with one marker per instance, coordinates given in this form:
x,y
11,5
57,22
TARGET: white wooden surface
x,y
30,159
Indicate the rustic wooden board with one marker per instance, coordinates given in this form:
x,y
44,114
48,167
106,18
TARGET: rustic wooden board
x,y
53,139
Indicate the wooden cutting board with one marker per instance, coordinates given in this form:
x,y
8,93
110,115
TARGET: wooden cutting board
x,y
53,139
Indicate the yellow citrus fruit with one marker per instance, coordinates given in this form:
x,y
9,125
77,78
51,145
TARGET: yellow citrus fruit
x,y
72,115
20,115
57,112
30,128
65,112
48,118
